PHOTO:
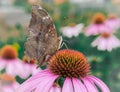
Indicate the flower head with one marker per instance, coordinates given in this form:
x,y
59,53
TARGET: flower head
x,y
69,63
10,62
72,30
106,42
98,25
8,52
8,83
113,22
98,18
73,67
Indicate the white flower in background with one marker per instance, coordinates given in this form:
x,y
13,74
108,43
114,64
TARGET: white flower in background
x,y
106,42
70,31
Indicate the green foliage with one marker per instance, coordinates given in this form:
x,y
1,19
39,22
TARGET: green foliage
x,y
104,64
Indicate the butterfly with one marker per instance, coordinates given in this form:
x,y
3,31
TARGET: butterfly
x,y
43,40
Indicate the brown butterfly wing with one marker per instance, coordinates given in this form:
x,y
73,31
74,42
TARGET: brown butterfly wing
x,y
43,39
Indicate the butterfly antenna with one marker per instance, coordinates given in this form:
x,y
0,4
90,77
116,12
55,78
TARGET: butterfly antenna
x,y
64,44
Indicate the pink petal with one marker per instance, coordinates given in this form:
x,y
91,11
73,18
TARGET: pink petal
x,y
89,85
55,89
46,84
32,82
35,70
114,24
28,86
78,85
100,42
100,84
10,68
9,87
2,64
92,30
36,80
67,86
21,70
40,74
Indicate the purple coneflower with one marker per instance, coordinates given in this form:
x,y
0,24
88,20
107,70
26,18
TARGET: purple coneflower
x,y
106,41
70,65
8,83
10,62
98,26
72,30
113,22
31,67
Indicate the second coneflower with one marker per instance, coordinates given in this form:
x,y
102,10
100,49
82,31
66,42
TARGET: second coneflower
x,y
31,67
70,65
113,22
98,25
10,62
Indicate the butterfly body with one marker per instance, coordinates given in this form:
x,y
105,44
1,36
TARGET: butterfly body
x,y
43,39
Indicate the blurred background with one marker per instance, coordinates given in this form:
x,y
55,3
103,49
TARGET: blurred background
x,y
15,17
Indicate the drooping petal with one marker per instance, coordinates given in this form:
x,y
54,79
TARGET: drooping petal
x,y
35,70
29,86
78,85
89,85
20,69
100,42
114,24
55,89
91,30
10,68
40,81
32,82
2,64
102,45
27,72
100,84
67,86
46,84
113,42
9,87
40,74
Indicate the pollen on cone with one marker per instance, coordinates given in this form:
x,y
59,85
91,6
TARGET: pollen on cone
x,y
69,63
8,52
